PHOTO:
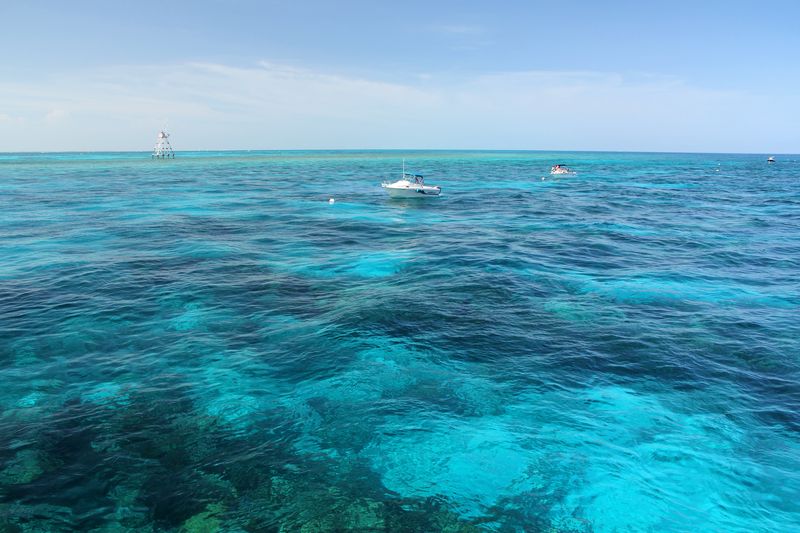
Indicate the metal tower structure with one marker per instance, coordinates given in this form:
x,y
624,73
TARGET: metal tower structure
x,y
163,150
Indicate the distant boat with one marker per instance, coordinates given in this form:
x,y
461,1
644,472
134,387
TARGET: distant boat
x,y
557,170
410,186
770,159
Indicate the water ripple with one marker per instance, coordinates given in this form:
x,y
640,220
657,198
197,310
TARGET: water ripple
x,y
208,344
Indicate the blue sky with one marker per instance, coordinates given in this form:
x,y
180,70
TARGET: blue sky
x,y
677,76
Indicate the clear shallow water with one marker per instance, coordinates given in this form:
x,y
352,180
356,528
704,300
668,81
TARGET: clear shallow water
x,y
206,343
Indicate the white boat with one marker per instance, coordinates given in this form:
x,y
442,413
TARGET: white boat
x,y
770,159
410,186
557,170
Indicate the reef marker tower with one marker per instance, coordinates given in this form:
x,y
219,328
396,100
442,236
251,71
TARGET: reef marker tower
x,y
163,150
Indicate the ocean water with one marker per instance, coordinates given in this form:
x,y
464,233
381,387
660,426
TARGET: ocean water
x,y
206,344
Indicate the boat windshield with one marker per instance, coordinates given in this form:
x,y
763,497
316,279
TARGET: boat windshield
x,y
416,178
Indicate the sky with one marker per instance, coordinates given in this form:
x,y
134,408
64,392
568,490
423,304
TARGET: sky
x,y
680,76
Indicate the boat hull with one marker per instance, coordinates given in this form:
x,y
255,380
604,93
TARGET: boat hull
x,y
413,192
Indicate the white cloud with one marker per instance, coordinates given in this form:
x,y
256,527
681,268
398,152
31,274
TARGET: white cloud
x,y
55,114
213,106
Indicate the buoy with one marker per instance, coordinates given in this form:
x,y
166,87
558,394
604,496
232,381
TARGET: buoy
x,y
331,200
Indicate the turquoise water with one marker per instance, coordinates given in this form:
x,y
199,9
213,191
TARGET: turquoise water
x,y
208,344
